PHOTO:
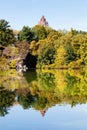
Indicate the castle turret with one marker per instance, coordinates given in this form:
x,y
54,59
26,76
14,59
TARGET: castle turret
x,y
43,112
43,22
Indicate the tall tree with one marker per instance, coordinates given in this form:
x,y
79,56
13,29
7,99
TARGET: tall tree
x,y
6,34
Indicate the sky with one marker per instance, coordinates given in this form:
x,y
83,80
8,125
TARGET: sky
x,y
60,14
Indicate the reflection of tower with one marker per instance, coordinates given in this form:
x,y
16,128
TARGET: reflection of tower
x,y
43,22
43,112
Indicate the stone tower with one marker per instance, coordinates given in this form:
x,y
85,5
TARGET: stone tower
x,y
43,22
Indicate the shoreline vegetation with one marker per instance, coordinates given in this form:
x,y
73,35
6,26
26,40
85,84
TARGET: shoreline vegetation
x,y
41,47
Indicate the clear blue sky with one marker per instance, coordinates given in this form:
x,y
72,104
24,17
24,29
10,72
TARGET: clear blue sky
x,y
61,14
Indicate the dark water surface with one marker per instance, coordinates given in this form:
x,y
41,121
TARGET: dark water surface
x,y
43,100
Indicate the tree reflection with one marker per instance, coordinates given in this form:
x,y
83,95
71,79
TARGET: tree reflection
x,y
46,90
26,100
7,98
76,89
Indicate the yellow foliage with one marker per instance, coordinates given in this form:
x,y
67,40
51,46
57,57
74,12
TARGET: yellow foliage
x,y
75,64
60,57
13,64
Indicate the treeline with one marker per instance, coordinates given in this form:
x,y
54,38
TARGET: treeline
x,y
52,48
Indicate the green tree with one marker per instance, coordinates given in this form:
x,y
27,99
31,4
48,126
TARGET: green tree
x,y
70,56
46,54
40,32
4,24
26,34
6,34
7,98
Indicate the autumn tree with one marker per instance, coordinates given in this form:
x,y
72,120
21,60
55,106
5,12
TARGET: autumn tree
x,y
40,32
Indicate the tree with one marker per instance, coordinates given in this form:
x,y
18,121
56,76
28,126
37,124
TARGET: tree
x,y
70,56
79,43
40,32
26,34
60,57
4,25
6,34
46,54
54,35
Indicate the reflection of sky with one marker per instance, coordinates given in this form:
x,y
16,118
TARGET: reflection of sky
x,y
56,118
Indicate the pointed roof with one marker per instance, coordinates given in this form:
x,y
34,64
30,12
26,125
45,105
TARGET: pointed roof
x,y
43,112
43,22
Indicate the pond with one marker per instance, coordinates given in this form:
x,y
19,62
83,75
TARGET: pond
x,y
43,100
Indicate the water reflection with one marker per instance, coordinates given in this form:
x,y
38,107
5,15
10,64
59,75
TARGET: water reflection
x,y
41,90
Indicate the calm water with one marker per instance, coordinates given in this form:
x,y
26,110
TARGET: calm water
x,y
43,100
